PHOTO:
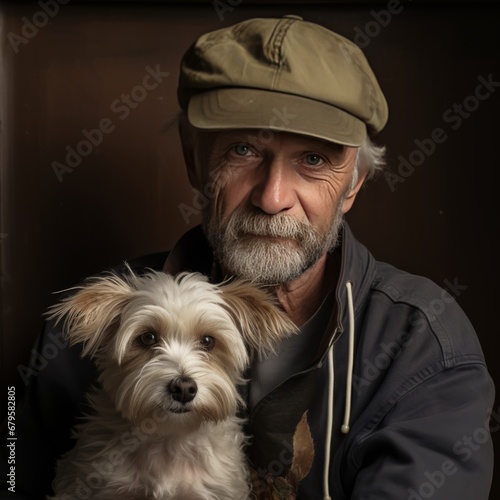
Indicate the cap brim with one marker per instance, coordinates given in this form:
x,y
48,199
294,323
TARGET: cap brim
x,y
242,108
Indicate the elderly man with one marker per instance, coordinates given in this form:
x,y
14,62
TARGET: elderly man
x,y
378,396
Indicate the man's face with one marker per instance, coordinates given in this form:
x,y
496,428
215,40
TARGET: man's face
x,y
278,204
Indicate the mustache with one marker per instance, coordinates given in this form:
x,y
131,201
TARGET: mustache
x,y
276,226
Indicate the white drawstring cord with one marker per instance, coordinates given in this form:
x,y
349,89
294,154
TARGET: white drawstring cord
x,y
329,424
350,361
331,391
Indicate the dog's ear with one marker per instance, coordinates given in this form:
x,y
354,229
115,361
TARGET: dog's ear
x,y
92,313
258,316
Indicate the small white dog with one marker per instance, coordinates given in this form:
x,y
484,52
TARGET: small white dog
x,y
170,352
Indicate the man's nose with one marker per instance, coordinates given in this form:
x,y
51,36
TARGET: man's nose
x,y
274,190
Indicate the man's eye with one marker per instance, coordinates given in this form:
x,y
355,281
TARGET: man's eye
x,y
314,160
241,149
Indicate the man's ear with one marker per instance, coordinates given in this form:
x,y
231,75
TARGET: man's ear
x,y
353,192
188,148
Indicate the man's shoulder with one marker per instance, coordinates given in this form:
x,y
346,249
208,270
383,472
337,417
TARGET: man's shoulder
x,y
421,292
429,310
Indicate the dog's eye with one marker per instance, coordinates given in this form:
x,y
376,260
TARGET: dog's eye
x,y
148,339
207,343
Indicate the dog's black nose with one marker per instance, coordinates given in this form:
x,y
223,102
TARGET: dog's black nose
x,y
183,389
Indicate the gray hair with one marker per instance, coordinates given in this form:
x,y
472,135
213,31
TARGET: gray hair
x,y
370,160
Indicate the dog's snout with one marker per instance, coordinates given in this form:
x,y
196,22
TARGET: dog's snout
x,y
183,389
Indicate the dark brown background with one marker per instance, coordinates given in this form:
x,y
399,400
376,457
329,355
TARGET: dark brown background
x,y
123,199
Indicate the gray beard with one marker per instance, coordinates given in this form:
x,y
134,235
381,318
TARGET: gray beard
x,y
296,246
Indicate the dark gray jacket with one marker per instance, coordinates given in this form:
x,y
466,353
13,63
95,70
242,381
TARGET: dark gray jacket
x,y
415,400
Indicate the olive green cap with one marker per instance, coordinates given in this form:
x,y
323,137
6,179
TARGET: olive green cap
x,y
281,74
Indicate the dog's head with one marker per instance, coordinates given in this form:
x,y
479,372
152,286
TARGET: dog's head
x,y
172,348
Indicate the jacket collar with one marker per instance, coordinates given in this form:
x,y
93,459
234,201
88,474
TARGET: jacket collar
x,y
357,266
